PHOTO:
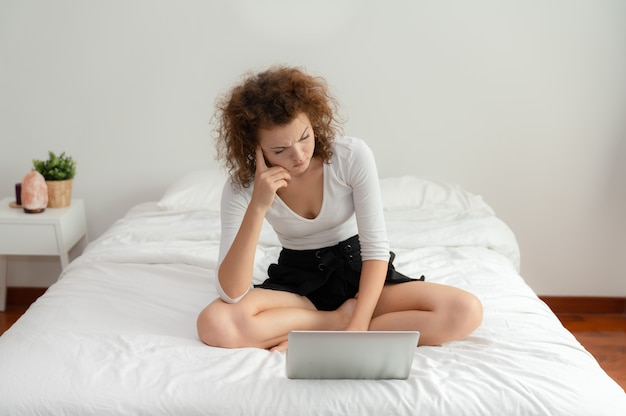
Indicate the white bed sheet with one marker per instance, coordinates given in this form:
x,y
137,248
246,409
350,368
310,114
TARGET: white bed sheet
x,y
116,334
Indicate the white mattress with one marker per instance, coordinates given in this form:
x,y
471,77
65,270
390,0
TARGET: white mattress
x,y
116,334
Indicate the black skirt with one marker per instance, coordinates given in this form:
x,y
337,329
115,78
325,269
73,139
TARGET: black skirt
x,y
328,276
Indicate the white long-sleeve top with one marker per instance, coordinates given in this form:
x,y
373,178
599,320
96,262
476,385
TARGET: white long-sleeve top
x,y
351,205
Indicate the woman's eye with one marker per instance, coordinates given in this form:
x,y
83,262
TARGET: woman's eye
x,y
278,152
304,138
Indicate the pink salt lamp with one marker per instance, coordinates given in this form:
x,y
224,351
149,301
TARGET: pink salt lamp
x,y
34,193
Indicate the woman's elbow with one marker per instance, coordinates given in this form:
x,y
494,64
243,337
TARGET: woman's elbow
x,y
232,297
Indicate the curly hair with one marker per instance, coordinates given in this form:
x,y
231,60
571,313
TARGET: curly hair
x,y
271,98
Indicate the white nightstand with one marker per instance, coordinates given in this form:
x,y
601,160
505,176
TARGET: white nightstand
x,y
51,233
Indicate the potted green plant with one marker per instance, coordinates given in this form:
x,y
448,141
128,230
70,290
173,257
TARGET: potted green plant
x,y
59,172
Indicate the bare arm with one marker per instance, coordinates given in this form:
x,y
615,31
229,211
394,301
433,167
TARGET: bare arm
x,y
235,271
373,275
372,233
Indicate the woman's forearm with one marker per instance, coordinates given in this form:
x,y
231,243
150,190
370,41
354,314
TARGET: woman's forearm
x,y
235,272
373,275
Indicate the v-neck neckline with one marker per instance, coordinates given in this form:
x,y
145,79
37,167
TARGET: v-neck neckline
x,y
294,213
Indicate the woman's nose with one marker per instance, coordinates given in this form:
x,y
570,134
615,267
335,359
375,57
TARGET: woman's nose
x,y
298,153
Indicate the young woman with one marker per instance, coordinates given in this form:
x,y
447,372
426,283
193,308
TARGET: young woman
x,y
278,137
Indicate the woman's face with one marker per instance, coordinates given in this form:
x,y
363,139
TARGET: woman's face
x,y
289,146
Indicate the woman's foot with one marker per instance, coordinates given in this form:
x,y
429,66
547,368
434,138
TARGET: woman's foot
x,y
341,321
345,312
280,347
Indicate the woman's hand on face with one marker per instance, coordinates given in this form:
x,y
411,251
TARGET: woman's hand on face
x,y
268,180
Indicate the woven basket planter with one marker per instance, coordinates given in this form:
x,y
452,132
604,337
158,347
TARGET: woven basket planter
x,y
59,193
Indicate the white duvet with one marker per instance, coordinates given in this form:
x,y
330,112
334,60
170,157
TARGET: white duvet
x,y
116,334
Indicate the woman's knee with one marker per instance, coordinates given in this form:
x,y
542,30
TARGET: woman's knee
x,y
466,314
217,327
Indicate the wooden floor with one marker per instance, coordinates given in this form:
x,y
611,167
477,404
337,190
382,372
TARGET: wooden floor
x,y
603,335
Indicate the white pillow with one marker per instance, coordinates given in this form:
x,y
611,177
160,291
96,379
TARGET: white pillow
x,y
413,192
200,190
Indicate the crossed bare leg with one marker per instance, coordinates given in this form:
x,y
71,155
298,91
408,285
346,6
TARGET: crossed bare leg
x,y
344,313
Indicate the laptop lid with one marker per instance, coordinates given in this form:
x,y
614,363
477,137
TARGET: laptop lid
x,y
351,354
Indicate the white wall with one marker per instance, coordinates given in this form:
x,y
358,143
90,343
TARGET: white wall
x,y
522,102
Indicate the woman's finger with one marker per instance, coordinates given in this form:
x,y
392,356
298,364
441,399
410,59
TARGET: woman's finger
x,y
260,160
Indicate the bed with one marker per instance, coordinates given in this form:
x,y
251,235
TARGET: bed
x,y
116,334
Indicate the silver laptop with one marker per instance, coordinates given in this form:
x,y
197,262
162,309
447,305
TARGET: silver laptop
x,y
351,354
